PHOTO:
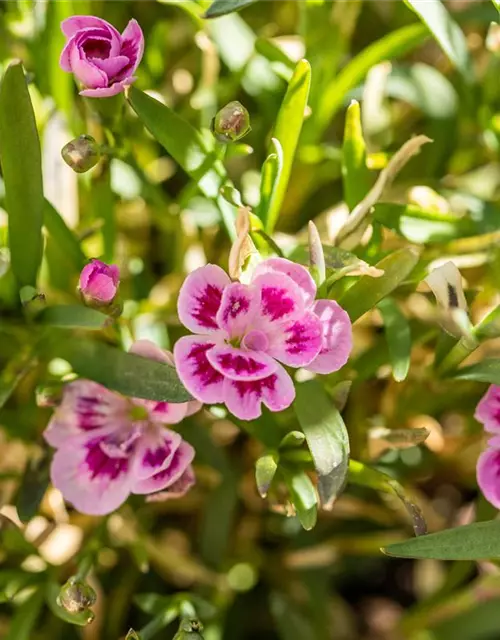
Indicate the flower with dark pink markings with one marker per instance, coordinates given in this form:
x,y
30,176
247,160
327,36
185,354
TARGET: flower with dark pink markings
x,y
488,464
245,333
100,58
109,446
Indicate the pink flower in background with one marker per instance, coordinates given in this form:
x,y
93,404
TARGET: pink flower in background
x,y
99,282
109,446
488,464
245,333
99,57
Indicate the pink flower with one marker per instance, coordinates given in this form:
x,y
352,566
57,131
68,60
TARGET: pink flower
x,y
109,446
488,464
243,333
99,282
99,57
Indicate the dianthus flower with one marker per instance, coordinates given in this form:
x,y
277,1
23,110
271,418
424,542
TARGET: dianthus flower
x,y
101,58
488,464
109,446
246,332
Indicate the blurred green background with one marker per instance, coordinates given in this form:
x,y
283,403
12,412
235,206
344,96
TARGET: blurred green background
x,y
249,571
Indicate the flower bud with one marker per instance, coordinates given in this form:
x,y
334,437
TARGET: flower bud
x,y
132,635
81,154
231,123
189,629
99,283
76,596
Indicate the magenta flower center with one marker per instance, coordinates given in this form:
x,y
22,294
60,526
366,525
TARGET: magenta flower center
x,y
255,341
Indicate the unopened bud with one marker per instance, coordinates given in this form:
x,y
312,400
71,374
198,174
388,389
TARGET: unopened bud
x,y
76,596
99,283
189,630
81,154
132,635
231,123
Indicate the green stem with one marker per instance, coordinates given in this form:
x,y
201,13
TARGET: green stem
x,y
157,624
463,348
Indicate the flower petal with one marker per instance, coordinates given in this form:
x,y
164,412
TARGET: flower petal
x,y
86,72
244,399
195,371
200,298
488,475
181,460
488,409
94,482
87,410
155,451
76,23
237,309
281,300
299,274
105,92
238,364
111,66
297,343
177,489
132,46
337,337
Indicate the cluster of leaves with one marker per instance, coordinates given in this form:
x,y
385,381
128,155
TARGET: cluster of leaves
x,y
395,425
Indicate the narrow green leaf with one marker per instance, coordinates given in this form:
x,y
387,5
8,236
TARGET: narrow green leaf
x,y
81,619
477,541
33,486
222,7
265,470
22,174
24,618
126,373
367,292
421,225
326,437
271,173
63,237
390,46
446,31
355,174
303,496
72,317
182,141
485,371
398,335
287,132
365,476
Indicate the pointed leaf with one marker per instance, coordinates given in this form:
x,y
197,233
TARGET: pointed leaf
x,y
222,7
63,237
72,317
271,174
303,496
326,437
265,470
287,132
484,371
367,292
355,174
126,373
398,335
22,174
477,541
182,141
446,31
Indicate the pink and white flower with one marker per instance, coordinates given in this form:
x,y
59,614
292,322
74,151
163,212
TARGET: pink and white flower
x,y
244,334
101,58
109,446
488,464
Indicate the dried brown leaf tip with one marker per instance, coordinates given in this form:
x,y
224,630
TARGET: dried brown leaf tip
x,y
243,247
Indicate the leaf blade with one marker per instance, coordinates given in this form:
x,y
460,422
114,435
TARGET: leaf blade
x,y
22,173
223,7
355,174
476,541
326,437
398,336
287,132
